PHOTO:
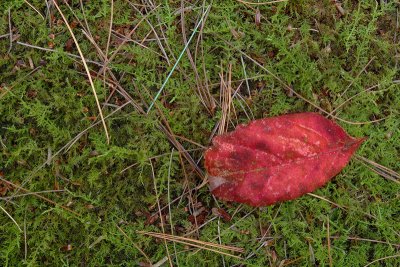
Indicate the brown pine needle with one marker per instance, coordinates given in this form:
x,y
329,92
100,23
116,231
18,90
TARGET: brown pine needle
x,y
201,247
196,243
205,243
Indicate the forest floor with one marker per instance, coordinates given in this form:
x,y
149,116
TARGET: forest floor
x,y
102,162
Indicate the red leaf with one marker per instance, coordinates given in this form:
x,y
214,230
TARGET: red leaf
x,y
277,159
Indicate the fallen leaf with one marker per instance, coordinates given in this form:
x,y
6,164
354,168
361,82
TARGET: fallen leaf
x,y
277,159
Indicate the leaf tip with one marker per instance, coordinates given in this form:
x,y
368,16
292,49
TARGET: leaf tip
x,y
354,143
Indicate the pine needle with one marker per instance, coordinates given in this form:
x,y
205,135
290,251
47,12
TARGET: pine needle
x,y
12,219
196,243
178,60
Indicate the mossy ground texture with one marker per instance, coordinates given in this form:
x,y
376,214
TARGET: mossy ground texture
x,y
77,200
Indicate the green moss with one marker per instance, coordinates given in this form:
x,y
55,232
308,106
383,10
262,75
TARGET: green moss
x,y
45,111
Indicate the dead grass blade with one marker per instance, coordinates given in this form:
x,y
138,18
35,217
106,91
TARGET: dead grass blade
x,y
128,39
8,89
86,69
263,240
169,204
219,239
12,219
157,38
166,129
25,239
39,196
245,76
34,8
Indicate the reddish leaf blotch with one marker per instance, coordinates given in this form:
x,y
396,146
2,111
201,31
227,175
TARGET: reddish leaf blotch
x,y
277,159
